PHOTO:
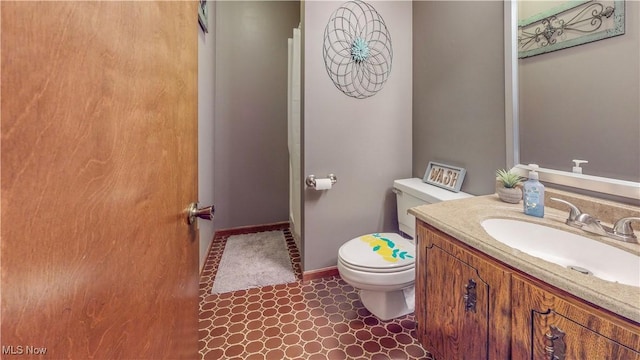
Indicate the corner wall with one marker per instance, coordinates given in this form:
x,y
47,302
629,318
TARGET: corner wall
x,y
206,94
251,158
366,143
458,95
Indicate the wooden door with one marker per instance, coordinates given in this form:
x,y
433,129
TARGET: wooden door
x,y
99,162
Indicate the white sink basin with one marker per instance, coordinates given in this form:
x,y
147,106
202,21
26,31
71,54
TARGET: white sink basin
x,y
567,249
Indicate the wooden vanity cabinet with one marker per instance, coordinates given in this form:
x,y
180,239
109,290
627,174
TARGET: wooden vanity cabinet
x,y
470,306
462,305
548,325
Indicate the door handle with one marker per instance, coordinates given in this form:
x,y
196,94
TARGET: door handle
x,y
203,213
470,297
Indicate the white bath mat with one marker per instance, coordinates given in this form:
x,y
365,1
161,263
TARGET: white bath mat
x,y
253,260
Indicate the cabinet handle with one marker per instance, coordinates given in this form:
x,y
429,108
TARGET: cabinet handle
x,y
555,346
470,297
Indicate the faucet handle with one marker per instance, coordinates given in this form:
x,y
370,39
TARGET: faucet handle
x,y
574,213
623,227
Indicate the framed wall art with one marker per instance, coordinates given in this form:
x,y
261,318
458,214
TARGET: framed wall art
x,y
568,24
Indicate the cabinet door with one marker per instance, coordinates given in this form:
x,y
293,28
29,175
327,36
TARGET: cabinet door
x,y
466,307
547,326
457,308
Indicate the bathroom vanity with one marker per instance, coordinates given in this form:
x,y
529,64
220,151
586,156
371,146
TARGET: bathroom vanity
x,y
477,298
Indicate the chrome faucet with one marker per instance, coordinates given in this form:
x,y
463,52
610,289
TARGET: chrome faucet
x,y
593,225
574,213
621,230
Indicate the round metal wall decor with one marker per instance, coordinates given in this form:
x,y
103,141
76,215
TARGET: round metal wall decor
x,y
357,49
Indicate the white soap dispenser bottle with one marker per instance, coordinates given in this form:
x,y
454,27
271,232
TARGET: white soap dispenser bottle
x,y
577,169
533,194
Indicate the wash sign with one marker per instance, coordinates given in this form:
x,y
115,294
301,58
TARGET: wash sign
x,y
445,176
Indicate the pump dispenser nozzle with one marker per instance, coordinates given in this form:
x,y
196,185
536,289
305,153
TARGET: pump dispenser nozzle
x,y
577,169
533,174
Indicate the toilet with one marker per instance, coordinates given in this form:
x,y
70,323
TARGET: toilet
x,y
382,265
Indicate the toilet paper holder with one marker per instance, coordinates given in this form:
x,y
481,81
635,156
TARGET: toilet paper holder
x,y
311,180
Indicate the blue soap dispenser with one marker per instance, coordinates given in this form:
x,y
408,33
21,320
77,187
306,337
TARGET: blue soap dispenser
x,y
533,194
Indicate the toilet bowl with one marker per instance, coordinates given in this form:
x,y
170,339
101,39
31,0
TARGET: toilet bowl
x,y
382,265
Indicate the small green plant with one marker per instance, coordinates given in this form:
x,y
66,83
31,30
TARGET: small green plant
x,y
508,179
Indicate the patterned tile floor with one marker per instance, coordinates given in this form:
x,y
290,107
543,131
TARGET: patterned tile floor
x,y
317,319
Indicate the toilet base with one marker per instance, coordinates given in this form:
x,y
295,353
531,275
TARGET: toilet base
x,y
387,305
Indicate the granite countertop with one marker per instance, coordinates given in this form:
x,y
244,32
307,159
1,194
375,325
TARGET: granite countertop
x,y
462,219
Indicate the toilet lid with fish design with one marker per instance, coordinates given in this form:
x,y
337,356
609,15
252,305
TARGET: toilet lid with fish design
x,y
378,252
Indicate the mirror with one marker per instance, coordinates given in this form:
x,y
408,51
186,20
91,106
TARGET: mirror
x,y
576,103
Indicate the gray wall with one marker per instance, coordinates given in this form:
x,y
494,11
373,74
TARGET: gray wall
x,y
250,140
584,103
206,94
366,143
458,91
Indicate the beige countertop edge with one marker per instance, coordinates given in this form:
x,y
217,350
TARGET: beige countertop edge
x,y
462,219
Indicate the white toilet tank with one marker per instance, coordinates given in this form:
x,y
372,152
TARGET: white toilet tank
x,y
414,192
